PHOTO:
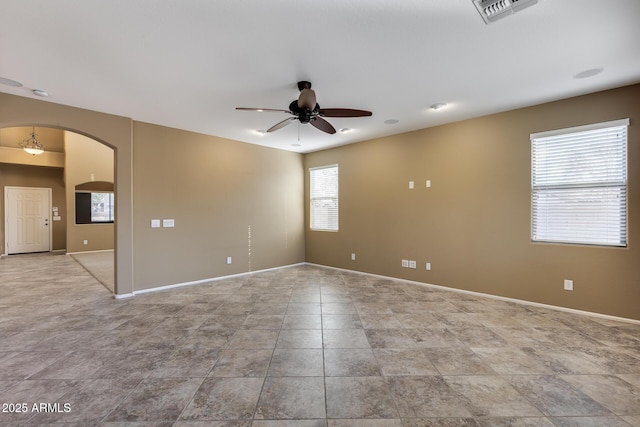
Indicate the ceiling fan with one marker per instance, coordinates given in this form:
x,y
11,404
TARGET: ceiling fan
x,y
307,110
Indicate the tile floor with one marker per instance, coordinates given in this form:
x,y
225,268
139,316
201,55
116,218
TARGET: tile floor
x,y
301,346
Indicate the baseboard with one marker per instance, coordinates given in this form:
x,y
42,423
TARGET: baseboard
x,y
123,296
439,287
90,252
497,297
199,282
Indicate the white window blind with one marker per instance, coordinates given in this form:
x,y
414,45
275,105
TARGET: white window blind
x,y
324,198
579,185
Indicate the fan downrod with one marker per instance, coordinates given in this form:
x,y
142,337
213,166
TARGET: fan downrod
x,y
303,84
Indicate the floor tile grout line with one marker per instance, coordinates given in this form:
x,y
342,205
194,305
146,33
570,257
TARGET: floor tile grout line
x,y
324,363
266,373
124,399
601,353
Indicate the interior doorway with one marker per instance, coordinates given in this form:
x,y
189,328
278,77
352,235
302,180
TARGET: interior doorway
x,y
113,131
27,214
38,212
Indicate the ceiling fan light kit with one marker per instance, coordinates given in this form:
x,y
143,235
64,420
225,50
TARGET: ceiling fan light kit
x,y
305,109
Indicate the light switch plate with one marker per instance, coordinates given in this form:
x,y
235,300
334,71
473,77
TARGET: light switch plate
x,y
168,223
568,285
155,223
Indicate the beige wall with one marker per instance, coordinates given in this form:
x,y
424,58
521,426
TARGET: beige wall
x,y
86,160
17,156
473,224
214,189
16,175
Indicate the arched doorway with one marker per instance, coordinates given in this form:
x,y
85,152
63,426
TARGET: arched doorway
x,y
113,131
73,167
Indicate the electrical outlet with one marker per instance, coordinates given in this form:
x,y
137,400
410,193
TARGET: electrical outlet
x,y
411,185
412,264
428,266
85,242
228,260
568,285
353,257
405,263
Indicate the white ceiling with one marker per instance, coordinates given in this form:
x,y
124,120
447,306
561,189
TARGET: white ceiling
x,y
188,63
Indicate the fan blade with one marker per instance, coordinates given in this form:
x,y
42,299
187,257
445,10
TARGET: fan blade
x,y
343,112
280,125
261,109
307,99
323,125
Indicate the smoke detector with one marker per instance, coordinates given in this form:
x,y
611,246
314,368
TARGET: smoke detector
x,y
492,10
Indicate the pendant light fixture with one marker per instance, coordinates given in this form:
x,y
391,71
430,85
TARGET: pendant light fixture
x,y
32,145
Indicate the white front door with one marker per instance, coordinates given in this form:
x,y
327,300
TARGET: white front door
x,y
27,215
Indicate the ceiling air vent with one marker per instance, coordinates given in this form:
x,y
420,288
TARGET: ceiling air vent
x,y
492,10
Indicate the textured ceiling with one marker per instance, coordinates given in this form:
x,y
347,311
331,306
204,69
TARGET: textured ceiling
x,y
188,63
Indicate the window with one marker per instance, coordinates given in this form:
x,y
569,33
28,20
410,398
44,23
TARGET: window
x,y
94,207
579,185
324,198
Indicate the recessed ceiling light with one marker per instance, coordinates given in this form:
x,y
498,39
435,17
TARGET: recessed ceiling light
x,y
10,82
260,132
588,73
345,130
40,92
390,122
438,106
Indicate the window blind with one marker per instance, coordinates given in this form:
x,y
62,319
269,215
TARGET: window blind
x,y
579,185
324,198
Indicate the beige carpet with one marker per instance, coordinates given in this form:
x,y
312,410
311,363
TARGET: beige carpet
x,y
100,265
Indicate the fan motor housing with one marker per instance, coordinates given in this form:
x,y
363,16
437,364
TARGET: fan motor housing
x,y
303,84
303,115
